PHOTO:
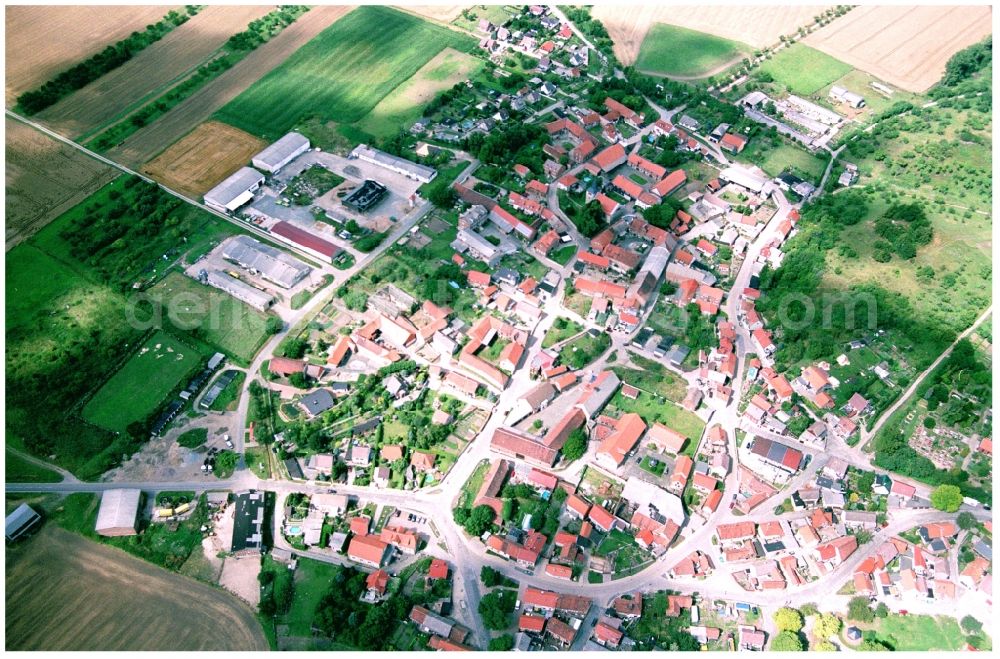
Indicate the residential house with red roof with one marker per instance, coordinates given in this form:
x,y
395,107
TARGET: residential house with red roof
x,y
368,550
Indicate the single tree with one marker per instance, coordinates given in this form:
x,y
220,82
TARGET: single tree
x,y
788,619
947,498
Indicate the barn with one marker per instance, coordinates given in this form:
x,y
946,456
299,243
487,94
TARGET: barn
x,y
306,241
23,519
119,512
282,152
235,191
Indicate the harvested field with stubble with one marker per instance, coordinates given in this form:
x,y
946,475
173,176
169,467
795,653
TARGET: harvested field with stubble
x,y
440,13
905,46
34,56
44,179
147,143
204,157
154,69
757,26
64,592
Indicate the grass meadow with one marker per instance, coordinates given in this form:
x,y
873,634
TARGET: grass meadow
x,y
210,315
678,51
804,70
342,73
142,383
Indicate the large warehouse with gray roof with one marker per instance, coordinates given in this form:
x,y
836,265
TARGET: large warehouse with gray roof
x,y
281,152
272,264
235,191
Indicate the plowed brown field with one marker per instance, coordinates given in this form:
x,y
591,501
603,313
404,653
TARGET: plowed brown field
x,y
160,65
45,40
757,26
204,157
146,143
64,592
905,46
44,179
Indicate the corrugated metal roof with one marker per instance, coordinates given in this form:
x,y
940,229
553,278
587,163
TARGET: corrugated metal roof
x,y
234,186
272,263
275,155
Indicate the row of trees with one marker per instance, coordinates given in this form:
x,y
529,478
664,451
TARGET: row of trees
x,y
264,28
68,81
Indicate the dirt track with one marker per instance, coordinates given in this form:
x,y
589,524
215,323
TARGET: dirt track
x,y
65,592
756,26
44,179
156,67
145,144
905,46
204,157
34,56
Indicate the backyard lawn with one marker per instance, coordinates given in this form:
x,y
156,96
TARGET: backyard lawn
x,y
584,349
562,329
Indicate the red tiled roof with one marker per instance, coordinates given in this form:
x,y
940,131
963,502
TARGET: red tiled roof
x,y
608,205
610,157
595,260
366,548
670,183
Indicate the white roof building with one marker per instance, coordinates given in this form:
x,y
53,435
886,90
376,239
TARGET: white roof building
x,y
119,512
393,163
240,290
281,152
235,191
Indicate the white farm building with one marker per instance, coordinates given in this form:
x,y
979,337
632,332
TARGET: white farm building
x,y
240,290
842,95
272,264
393,163
235,191
282,152
119,512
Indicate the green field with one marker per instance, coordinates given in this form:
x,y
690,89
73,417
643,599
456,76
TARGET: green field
x,y
804,70
19,470
210,315
63,334
677,51
785,156
342,73
135,391
921,633
402,107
